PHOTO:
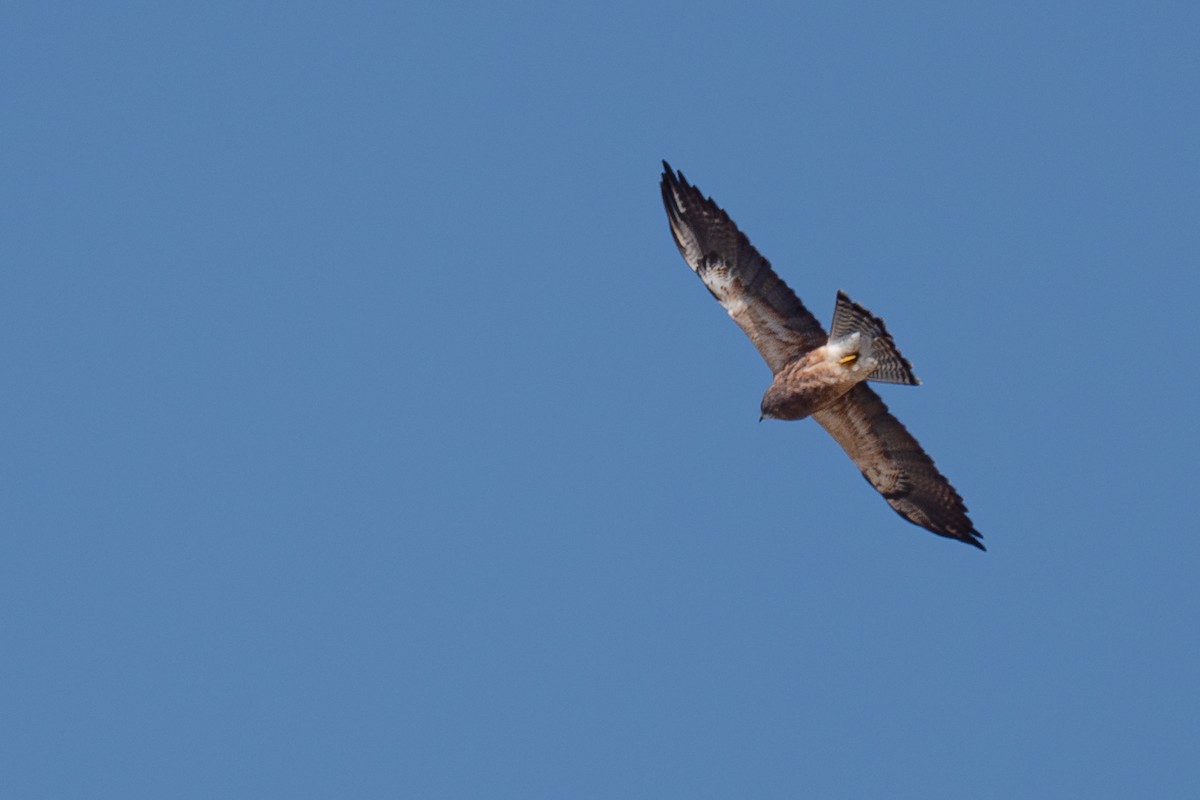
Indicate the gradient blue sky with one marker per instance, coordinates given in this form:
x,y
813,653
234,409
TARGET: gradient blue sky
x,y
364,434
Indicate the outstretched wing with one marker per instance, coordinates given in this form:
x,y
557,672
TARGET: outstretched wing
x,y
742,280
893,462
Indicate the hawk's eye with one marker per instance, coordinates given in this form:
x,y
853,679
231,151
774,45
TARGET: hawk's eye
x,y
850,359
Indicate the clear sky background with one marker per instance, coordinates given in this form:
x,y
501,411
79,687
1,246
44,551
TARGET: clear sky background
x,y
364,434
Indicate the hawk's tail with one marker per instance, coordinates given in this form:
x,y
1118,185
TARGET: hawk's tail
x,y
849,317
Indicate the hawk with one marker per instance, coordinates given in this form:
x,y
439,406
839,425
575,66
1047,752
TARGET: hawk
x,y
817,374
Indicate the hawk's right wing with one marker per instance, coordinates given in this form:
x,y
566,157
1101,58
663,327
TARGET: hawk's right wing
x,y
742,280
895,464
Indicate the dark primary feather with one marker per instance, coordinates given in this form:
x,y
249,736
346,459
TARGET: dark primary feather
x,y
737,275
895,464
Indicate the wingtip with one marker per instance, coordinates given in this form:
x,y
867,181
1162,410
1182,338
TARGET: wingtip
x,y
972,537
674,177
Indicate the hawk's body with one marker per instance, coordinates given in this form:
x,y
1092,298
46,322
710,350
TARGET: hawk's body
x,y
817,374
810,383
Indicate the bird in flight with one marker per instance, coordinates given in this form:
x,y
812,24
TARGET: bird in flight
x,y
817,374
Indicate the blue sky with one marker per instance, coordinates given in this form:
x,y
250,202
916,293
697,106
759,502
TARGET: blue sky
x,y
364,433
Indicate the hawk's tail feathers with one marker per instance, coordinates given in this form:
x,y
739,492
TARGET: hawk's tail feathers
x,y
849,317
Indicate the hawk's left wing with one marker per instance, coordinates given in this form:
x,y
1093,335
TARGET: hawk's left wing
x,y
893,462
742,280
